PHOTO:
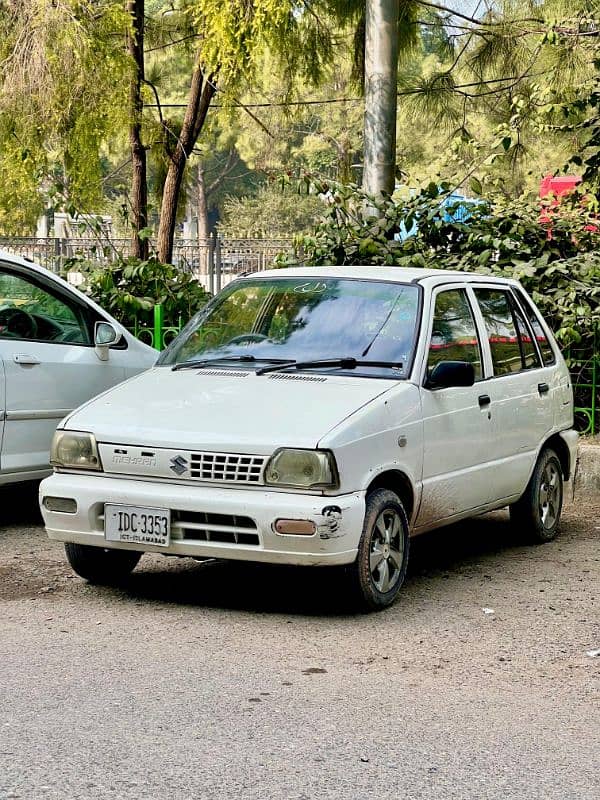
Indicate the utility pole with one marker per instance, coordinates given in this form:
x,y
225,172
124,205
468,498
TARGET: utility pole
x,y
381,87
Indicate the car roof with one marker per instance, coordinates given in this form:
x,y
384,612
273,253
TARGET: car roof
x,y
23,262
429,277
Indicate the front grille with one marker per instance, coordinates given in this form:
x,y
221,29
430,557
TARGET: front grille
x,y
228,467
206,527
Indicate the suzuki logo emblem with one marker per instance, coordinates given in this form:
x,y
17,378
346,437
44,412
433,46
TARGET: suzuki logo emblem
x,y
179,465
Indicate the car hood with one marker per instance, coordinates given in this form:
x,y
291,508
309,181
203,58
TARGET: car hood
x,y
224,409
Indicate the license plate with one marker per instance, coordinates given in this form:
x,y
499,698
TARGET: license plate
x,y
137,525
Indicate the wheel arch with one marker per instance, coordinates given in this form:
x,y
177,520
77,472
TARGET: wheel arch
x,y
398,482
560,447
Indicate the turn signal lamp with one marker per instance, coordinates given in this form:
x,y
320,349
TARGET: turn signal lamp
x,y
295,527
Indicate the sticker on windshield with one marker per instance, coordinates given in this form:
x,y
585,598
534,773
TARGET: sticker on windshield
x,y
311,288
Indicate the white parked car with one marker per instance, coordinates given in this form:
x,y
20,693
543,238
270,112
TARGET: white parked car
x,y
320,416
57,349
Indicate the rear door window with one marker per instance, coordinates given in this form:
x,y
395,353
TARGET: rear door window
x,y
511,343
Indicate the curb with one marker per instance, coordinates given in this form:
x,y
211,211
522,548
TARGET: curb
x,y
587,472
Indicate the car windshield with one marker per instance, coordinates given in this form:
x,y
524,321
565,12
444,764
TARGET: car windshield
x,y
305,319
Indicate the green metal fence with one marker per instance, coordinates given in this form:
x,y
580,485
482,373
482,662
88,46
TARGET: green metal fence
x,y
157,335
584,364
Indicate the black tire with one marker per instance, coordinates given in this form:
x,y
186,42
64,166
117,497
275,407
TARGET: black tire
x,y
378,573
99,565
537,513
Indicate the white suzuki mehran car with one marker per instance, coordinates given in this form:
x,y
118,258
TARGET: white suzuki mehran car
x,y
57,349
320,416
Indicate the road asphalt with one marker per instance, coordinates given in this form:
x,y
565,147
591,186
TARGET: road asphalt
x,y
216,680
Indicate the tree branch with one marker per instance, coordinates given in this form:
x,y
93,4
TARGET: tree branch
x,y
486,23
229,166
116,171
157,98
255,118
173,42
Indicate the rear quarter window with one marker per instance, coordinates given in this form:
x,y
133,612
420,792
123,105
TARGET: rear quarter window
x,y
533,317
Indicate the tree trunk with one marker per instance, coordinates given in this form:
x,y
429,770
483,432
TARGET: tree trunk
x,y
202,205
200,96
202,216
381,86
139,185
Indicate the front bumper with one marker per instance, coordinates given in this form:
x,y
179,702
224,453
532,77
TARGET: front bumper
x,y
339,520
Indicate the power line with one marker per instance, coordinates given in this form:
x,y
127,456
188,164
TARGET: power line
x,y
265,105
406,93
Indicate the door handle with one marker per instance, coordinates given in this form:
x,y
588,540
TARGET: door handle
x,y
484,400
25,358
543,388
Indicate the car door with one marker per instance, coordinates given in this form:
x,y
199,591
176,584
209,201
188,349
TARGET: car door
x,y
519,389
457,428
2,405
50,365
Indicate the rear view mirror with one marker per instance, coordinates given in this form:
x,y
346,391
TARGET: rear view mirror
x,y
451,373
105,335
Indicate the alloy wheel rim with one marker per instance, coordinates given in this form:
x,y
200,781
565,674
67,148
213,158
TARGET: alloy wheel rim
x,y
549,496
387,550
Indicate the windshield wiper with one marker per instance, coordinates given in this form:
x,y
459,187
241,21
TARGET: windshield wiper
x,y
325,363
205,362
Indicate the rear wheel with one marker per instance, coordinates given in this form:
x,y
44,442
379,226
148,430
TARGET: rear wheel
x,y
380,567
99,565
537,513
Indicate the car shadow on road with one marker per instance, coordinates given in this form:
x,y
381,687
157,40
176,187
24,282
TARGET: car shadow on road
x,y
19,505
466,548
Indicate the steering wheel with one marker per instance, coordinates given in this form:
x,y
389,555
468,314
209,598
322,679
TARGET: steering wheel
x,y
248,337
18,323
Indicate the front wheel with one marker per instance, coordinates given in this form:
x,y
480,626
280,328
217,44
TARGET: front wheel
x,y
99,565
537,512
380,567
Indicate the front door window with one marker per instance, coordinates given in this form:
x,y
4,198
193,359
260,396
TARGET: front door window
x,y
29,311
454,335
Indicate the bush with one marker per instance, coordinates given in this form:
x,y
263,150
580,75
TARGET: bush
x,y
559,264
129,289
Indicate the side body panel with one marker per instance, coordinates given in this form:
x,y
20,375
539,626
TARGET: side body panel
x,y
523,419
459,453
386,435
2,406
44,382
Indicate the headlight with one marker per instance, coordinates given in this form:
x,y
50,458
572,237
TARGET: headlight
x,y
75,450
302,469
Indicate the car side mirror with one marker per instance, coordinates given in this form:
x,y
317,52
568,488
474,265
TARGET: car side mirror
x,y
105,335
451,373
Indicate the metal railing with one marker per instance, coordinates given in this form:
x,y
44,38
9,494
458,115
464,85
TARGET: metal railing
x,y
157,335
584,365
213,262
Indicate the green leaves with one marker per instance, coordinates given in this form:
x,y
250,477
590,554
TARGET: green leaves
x,y
475,185
62,93
559,265
144,234
129,289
